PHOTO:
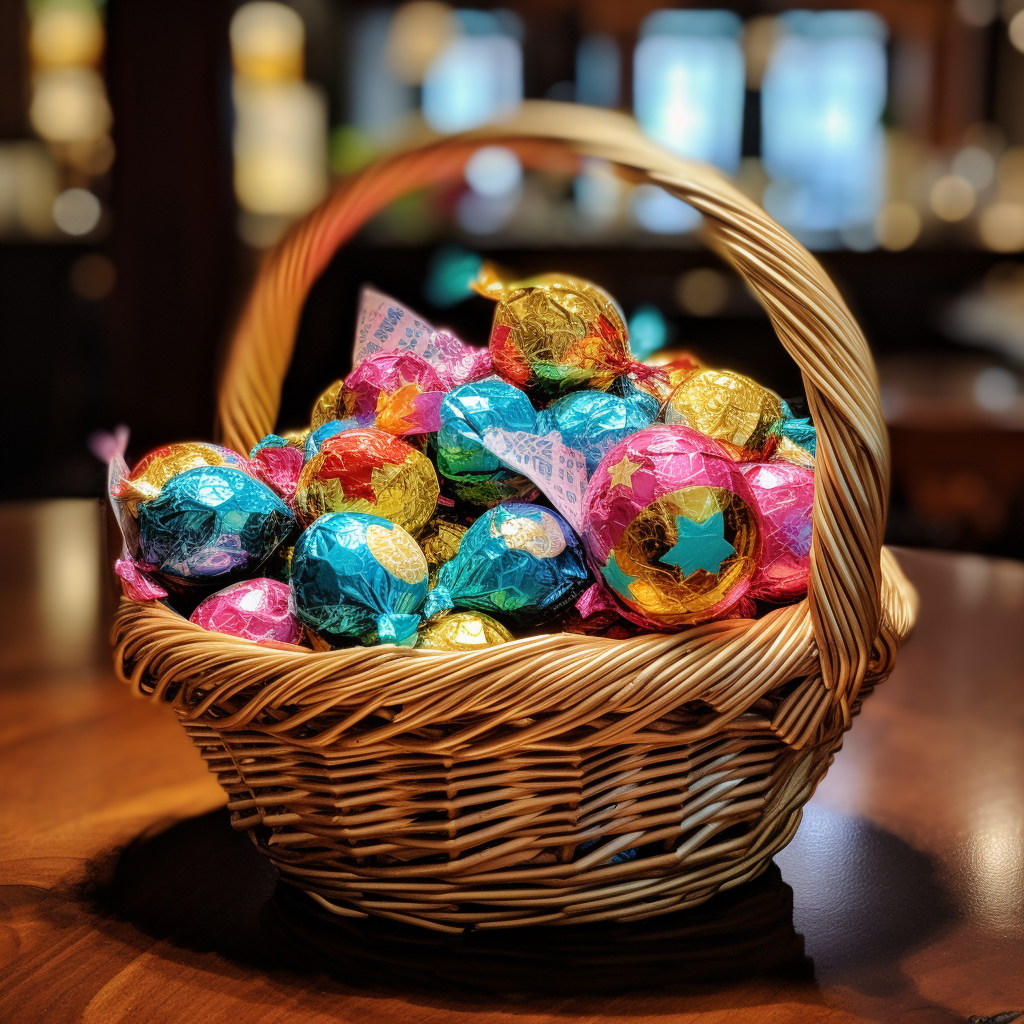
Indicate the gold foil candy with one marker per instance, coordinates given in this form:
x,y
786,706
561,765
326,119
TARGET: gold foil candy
x,y
790,451
328,406
463,631
555,333
440,542
660,589
727,407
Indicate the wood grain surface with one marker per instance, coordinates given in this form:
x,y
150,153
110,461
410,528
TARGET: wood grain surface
x,y
126,897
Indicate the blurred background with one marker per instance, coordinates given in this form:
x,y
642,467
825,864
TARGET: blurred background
x,y
151,153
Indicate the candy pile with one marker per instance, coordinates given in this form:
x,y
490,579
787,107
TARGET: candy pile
x,y
450,497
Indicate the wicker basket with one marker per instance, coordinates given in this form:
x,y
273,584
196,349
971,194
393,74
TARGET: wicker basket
x,y
495,789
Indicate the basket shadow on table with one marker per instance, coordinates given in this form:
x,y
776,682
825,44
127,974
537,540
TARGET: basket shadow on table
x,y
205,888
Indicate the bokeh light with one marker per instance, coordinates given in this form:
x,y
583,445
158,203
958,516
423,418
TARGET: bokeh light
x,y
418,32
1001,226
267,41
897,226
65,33
648,331
952,198
494,171
702,292
76,211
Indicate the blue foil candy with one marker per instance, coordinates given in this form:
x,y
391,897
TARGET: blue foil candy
x,y
520,563
353,574
211,522
593,422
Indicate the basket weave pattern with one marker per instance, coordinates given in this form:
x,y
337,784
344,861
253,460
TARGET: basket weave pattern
x,y
508,787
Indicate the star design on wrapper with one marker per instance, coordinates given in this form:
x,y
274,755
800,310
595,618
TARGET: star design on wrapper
x,y
699,545
622,472
618,580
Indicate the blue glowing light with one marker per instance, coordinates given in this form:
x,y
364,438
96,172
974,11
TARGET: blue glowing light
x,y
688,84
821,105
648,331
477,77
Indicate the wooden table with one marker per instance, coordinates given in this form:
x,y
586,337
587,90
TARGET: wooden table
x,y
126,897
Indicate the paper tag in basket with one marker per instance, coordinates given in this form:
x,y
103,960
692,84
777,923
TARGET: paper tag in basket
x,y
385,325
559,471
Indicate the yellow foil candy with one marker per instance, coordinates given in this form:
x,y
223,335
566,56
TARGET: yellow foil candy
x,y
555,333
726,406
368,470
659,589
440,542
463,631
328,406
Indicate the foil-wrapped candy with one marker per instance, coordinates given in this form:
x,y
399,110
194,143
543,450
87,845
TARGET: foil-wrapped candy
x,y
259,609
783,499
440,540
671,525
555,333
727,407
463,631
354,574
316,438
467,412
277,462
152,471
593,422
368,470
520,563
210,524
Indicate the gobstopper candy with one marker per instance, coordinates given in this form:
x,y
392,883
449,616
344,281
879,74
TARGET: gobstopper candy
x,y
520,563
368,470
467,412
555,333
152,471
354,574
670,523
728,407
463,631
784,499
259,610
211,523
593,422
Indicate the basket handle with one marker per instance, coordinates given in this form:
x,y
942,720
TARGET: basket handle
x,y
809,316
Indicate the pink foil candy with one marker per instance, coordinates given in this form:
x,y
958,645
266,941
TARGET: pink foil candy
x,y
137,586
383,374
385,325
257,610
278,468
783,499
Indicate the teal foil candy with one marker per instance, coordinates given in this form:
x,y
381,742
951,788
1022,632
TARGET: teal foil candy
x,y
593,422
211,522
800,431
520,563
466,412
354,574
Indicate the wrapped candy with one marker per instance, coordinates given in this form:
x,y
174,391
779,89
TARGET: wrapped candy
x,y
670,523
798,440
463,631
593,422
355,574
277,462
555,333
467,412
152,471
672,365
383,374
385,325
440,540
329,429
210,523
783,499
259,610
520,563
370,471
728,407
